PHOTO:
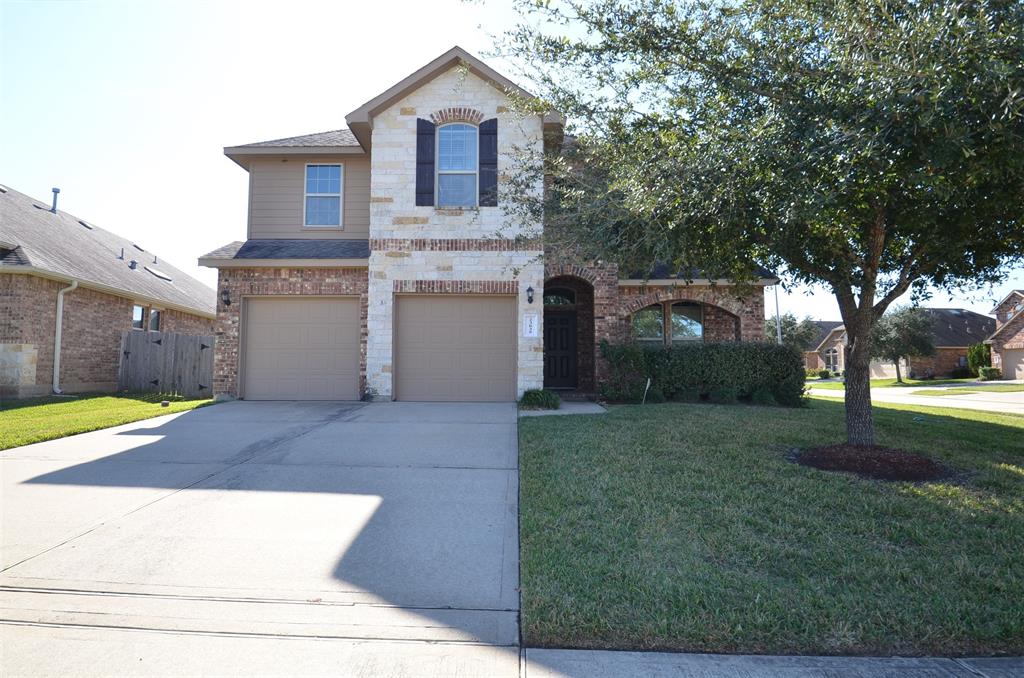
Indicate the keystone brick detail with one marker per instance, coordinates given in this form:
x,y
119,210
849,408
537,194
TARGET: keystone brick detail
x,y
457,114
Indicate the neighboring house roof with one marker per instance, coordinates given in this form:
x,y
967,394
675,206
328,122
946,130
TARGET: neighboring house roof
x,y
825,328
1019,293
953,327
286,248
360,120
664,272
63,246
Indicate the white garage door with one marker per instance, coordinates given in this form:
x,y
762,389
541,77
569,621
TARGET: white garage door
x,y
1013,363
301,349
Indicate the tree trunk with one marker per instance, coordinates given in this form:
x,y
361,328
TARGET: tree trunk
x,y
860,428
899,378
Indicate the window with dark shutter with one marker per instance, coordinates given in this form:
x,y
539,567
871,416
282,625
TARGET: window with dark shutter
x,y
424,162
489,163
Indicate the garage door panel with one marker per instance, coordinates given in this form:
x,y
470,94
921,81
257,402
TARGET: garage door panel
x,y
455,348
301,349
1013,363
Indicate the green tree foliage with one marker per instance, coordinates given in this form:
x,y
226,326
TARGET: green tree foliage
x,y
799,334
978,356
872,147
902,333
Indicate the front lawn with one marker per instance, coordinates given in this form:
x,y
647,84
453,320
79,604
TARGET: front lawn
x,y
34,420
889,383
685,527
987,388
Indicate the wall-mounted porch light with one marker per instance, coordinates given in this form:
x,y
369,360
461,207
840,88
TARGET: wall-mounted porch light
x,y
529,294
225,296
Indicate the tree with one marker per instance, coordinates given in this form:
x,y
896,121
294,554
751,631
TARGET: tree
x,y
978,356
872,147
902,333
799,334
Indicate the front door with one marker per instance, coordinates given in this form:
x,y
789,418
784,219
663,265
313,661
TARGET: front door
x,y
560,349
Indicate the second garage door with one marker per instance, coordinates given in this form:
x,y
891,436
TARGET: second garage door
x,y
301,349
1013,363
452,348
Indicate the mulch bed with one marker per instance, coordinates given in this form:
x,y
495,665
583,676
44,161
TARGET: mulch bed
x,y
873,461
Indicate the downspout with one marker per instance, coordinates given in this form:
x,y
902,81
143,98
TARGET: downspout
x,y
58,326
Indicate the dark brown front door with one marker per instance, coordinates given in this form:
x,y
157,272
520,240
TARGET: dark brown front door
x,y
560,349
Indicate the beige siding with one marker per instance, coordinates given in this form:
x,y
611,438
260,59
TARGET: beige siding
x,y
276,198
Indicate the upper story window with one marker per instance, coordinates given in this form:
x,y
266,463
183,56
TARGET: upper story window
x,y
457,147
323,196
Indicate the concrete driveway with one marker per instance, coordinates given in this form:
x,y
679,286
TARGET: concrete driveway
x,y
267,538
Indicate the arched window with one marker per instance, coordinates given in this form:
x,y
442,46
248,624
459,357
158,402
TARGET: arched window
x,y
457,163
832,359
559,296
649,325
687,322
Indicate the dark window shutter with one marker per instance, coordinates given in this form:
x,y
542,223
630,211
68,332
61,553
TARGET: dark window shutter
x,y
489,163
424,162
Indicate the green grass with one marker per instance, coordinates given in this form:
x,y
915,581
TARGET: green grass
x,y
891,383
685,527
988,388
34,420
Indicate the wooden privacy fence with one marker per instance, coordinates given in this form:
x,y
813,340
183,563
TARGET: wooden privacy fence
x,y
166,362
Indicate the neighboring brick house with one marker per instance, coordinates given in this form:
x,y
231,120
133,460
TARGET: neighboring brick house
x,y
381,261
109,285
1007,340
953,331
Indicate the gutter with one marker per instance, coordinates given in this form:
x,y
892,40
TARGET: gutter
x,y
58,327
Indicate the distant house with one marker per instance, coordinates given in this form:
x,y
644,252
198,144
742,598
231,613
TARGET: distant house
x,y
953,331
1008,338
103,283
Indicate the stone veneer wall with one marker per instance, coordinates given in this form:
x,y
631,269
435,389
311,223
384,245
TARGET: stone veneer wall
x,y
418,249
264,282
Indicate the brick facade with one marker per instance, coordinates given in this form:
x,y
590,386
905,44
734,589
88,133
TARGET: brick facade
x,y
1009,334
91,335
262,282
941,364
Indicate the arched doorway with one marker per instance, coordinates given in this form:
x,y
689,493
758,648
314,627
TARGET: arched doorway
x,y
568,334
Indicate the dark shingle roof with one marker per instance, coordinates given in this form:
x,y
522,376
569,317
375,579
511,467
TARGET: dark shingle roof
x,y
336,137
959,327
293,249
664,272
65,245
824,328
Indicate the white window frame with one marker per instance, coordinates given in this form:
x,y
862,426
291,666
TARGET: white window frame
x,y
159,319
145,318
340,196
438,171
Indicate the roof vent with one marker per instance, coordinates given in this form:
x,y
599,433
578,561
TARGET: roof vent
x,y
138,248
133,264
158,273
89,226
3,189
56,192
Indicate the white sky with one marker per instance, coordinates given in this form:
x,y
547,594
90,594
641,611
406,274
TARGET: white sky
x,y
126,106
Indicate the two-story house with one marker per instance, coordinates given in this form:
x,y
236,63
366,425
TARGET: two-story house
x,y
380,261
1008,339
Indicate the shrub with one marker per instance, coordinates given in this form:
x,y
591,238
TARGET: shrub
x,y
978,356
540,399
762,396
989,373
723,394
655,395
961,372
824,374
690,371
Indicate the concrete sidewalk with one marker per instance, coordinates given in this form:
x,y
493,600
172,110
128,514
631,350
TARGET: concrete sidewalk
x,y
985,401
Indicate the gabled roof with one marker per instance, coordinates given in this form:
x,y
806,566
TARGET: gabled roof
x,y
360,121
825,328
951,327
65,247
287,248
1019,293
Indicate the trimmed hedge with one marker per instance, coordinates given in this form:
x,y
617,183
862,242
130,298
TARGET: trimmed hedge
x,y
540,399
989,373
719,372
